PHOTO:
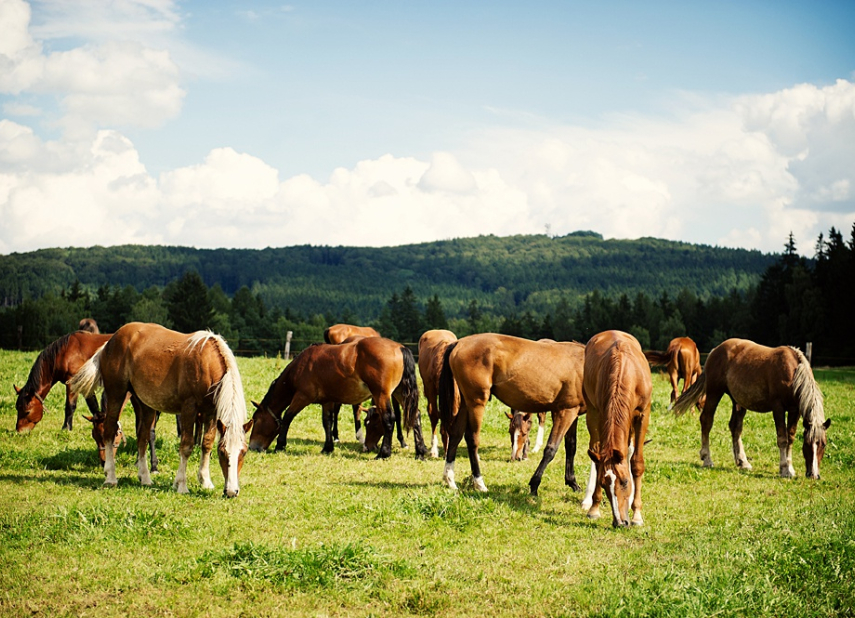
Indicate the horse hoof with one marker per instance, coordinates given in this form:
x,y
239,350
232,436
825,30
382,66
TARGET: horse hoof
x,y
594,515
586,505
110,484
573,485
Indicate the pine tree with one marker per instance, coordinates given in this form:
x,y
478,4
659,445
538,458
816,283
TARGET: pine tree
x,y
190,308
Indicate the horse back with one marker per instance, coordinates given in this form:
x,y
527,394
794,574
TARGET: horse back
x,y
432,345
79,348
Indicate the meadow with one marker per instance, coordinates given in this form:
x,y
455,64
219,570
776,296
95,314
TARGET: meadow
x,y
346,535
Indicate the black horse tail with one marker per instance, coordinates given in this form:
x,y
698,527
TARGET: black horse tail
x,y
691,396
409,389
327,336
449,398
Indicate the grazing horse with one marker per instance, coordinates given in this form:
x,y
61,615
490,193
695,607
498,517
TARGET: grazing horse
x,y
348,373
539,376
341,333
618,390
195,376
98,435
762,379
519,428
89,325
432,345
56,363
682,362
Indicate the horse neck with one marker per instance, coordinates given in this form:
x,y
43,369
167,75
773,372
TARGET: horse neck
x,y
42,376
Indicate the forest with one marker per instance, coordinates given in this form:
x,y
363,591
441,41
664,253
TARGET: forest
x,y
563,288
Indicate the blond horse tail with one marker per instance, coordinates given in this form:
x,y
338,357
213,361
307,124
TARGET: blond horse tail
x,y
88,378
691,396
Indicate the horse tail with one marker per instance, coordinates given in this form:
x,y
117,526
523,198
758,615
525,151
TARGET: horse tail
x,y
449,398
809,397
691,396
327,336
88,378
655,357
410,389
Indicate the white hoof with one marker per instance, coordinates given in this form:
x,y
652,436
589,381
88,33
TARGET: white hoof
x,y
478,482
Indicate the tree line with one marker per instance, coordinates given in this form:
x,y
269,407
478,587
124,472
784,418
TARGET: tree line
x,y
796,300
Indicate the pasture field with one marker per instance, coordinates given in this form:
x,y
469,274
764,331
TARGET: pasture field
x,y
345,535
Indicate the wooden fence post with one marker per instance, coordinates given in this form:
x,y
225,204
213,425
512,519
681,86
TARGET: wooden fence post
x,y
288,336
809,351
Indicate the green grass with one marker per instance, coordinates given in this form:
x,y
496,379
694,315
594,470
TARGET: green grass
x,y
345,535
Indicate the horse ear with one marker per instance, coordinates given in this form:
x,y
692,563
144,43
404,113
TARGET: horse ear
x,y
220,427
509,415
17,390
254,403
827,423
248,426
91,419
595,456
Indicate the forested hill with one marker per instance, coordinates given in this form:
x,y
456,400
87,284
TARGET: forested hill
x,y
507,274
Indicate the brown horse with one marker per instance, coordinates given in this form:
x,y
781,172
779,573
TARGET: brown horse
x,y
762,379
341,333
519,428
195,376
682,362
538,376
89,325
97,421
618,391
432,345
348,373
56,363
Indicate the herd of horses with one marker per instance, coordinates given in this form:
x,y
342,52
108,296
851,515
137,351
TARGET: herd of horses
x,y
608,380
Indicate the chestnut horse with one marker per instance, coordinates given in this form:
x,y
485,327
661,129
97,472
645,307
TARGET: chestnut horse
x,y
340,333
519,428
762,379
432,345
98,420
348,373
56,363
538,376
618,391
682,362
195,376
89,325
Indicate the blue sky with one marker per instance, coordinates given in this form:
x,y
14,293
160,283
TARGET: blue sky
x,y
252,124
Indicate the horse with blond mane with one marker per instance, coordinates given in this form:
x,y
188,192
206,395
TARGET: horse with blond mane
x,y
618,391
762,379
194,376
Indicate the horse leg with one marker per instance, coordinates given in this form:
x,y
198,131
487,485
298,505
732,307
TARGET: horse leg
x,y
538,442
785,444
209,433
674,377
473,441
593,503
185,448
144,423
398,416
562,420
70,405
588,500
433,415
112,411
736,418
152,450
707,418
570,456
357,422
329,416
636,464
454,434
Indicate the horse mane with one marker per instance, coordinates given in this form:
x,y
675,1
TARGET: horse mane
x,y
809,397
43,367
617,411
228,392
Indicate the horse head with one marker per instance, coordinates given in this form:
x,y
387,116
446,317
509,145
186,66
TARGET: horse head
x,y
231,451
374,429
813,448
30,407
519,429
614,476
98,435
265,426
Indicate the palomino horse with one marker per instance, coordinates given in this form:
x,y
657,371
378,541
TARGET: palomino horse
x,y
341,333
762,379
618,391
56,363
348,373
195,376
519,428
682,362
538,376
432,346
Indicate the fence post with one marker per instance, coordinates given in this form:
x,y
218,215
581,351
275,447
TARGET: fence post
x,y
809,351
288,336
